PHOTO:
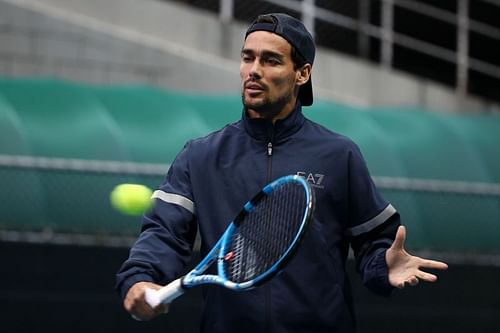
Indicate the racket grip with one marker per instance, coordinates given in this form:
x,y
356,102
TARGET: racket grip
x,y
165,294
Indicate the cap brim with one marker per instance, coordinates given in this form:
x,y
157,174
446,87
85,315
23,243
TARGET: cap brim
x,y
306,93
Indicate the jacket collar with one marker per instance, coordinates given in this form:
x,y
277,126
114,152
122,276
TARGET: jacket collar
x,y
264,130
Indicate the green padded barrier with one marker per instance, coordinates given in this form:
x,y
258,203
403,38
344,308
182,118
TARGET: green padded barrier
x,y
156,124
59,119
64,120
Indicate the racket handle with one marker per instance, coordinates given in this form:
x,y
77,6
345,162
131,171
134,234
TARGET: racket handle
x,y
165,294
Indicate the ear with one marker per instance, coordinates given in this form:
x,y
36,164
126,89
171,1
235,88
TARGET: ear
x,y
303,74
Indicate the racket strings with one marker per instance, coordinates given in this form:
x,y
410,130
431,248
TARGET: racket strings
x,y
266,233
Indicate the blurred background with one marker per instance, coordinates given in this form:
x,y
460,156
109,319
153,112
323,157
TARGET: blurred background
x,y
94,93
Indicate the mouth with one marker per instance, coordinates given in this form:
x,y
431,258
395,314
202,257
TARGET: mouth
x,y
254,89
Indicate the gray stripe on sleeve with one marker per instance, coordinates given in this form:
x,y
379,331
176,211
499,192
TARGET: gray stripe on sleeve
x,y
175,199
372,223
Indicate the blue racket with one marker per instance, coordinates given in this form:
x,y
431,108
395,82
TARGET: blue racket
x,y
256,245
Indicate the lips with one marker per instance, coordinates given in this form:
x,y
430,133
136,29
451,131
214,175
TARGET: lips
x,y
254,88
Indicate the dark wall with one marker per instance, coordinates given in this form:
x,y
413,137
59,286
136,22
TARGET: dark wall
x,y
50,288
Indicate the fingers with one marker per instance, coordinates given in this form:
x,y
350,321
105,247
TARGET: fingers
x,y
148,314
136,305
427,277
399,240
428,264
433,264
414,279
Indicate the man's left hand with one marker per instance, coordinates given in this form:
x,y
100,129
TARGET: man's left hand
x,y
405,269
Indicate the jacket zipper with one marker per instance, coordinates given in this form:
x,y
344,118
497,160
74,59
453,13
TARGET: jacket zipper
x,y
267,289
269,161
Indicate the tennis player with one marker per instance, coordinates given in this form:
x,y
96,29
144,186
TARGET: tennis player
x,y
212,177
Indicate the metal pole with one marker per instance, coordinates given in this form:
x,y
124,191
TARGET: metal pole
x,y
364,20
226,10
308,15
462,47
387,33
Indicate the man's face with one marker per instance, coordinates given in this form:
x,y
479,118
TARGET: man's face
x,y
267,74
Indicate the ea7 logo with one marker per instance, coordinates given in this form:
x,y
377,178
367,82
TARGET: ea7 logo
x,y
314,179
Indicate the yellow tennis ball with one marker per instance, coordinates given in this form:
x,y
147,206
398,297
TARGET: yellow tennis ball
x,y
131,199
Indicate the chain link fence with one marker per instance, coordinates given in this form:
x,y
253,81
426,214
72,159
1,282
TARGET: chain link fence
x,y
67,201
460,220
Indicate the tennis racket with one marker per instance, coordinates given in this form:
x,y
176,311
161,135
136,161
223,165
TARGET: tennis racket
x,y
256,245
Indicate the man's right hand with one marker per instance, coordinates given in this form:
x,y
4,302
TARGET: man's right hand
x,y
136,305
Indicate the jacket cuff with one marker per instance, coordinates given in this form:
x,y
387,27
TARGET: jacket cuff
x,y
129,282
384,288
376,274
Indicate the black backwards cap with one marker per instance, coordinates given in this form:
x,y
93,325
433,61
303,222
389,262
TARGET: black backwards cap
x,y
297,35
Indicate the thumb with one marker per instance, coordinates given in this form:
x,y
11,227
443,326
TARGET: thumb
x,y
399,241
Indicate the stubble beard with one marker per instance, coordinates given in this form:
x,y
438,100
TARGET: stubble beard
x,y
266,108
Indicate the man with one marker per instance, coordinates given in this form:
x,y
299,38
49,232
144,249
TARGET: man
x,y
212,177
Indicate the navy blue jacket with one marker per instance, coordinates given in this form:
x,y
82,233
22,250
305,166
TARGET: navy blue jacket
x,y
206,186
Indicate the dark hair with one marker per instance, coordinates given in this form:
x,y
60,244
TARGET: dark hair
x,y
298,59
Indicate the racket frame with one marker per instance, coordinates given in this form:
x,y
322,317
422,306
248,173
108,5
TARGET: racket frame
x,y
196,277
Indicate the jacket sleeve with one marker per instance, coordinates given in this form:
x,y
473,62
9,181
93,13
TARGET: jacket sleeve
x,y
373,223
164,246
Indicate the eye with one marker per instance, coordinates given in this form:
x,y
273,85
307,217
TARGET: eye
x,y
246,58
272,61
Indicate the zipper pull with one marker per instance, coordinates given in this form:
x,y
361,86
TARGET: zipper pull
x,y
269,149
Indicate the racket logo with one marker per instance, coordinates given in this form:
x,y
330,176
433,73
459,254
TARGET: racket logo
x,y
229,256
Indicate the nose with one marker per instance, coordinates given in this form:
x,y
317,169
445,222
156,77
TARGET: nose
x,y
255,72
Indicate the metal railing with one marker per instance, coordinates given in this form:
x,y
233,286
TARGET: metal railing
x,y
386,33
